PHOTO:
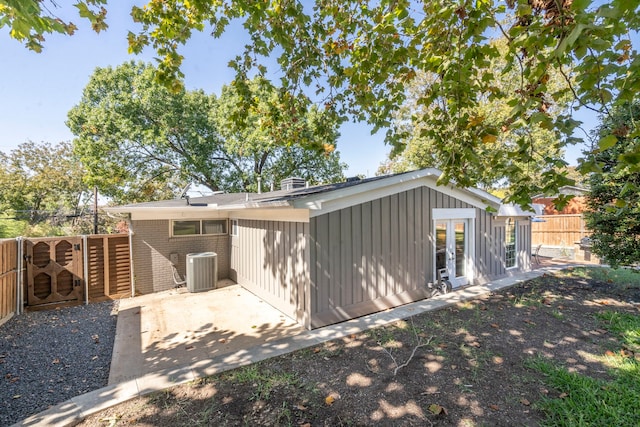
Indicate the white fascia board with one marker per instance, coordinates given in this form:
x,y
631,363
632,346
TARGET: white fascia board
x,y
288,215
193,212
339,199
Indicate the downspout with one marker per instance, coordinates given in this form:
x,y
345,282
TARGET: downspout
x,y
85,260
20,276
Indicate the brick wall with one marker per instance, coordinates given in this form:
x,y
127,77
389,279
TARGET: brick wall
x,y
152,247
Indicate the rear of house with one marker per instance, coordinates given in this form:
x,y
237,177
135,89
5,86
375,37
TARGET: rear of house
x,y
334,252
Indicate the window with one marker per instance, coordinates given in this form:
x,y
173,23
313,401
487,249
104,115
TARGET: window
x,y
199,227
510,243
234,227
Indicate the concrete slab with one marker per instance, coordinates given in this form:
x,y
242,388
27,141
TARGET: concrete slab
x,y
168,330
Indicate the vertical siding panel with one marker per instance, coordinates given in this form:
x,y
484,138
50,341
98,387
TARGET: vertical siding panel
x,y
323,260
404,266
346,268
386,247
314,259
394,245
336,259
433,203
357,253
376,258
420,258
368,267
379,258
411,249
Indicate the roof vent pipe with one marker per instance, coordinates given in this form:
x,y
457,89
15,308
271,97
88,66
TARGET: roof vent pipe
x,y
259,185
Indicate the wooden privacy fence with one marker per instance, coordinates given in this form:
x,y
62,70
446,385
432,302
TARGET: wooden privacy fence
x,y
77,269
8,278
64,271
558,230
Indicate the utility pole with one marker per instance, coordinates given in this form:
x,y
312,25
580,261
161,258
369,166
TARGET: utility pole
x,y
95,210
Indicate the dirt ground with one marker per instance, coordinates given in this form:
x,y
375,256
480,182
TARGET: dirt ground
x,y
460,366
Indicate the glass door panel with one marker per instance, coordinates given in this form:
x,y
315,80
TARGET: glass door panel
x,y
452,249
461,249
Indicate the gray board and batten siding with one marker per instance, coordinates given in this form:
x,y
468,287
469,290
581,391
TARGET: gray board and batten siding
x,y
360,259
271,259
379,254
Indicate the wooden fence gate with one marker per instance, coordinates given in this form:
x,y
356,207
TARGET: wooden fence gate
x,y
56,273
54,270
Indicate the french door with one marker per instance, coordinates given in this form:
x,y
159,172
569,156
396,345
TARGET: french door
x,y
452,250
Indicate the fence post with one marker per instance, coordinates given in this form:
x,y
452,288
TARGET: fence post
x,y
131,271
85,267
19,276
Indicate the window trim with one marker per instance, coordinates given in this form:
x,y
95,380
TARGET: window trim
x,y
234,227
201,221
515,243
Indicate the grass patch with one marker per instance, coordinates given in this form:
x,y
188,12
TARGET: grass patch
x,y
625,325
626,278
586,401
263,380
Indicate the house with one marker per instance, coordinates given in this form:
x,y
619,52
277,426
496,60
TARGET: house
x,y
576,205
329,253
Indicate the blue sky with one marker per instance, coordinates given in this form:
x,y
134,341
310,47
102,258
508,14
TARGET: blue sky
x,y
37,90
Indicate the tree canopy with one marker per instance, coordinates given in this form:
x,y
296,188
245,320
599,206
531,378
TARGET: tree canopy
x,y
614,195
497,152
140,141
41,183
356,58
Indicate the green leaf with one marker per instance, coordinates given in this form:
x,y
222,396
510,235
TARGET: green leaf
x,y
580,5
607,142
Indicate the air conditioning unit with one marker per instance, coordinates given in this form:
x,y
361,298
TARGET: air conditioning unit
x,y
202,271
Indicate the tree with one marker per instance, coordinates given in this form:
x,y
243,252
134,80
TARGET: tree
x,y
498,152
358,56
140,141
41,183
614,196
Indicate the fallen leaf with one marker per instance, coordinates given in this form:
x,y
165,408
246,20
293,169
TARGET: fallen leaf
x,y
56,361
17,396
305,425
494,407
301,407
495,325
609,353
222,340
442,345
475,344
436,409
329,400
189,347
546,301
525,402
563,395
316,350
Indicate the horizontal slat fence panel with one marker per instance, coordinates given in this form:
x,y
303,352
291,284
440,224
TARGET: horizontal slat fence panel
x,y
109,266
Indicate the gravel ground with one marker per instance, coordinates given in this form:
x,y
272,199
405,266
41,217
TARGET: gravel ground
x,y
47,357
